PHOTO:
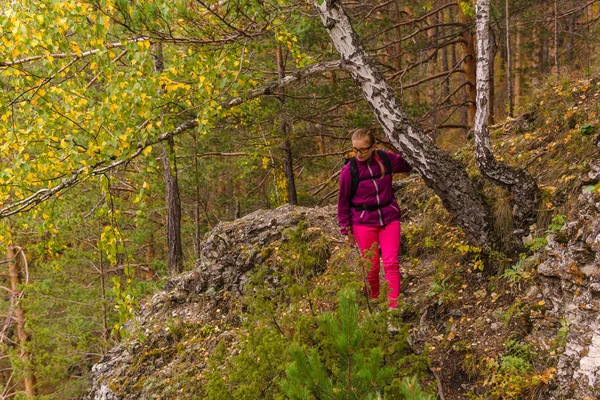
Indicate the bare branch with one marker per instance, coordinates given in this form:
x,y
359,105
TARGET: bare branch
x,y
72,55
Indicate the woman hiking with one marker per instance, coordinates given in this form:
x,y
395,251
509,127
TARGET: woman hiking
x,y
368,213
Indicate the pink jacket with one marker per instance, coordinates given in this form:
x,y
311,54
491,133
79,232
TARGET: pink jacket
x,y
370,192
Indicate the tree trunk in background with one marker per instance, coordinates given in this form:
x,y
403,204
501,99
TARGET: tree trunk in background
x,y
447,177
445,66
284,126
536,60
464,114
518,64
555,49
432,35
105,328
398,45
175,258
196,199
523,187
546,45
509,88
469,62
571,38
13,254
173,208
492,78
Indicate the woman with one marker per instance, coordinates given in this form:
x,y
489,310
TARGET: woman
x,y
369,215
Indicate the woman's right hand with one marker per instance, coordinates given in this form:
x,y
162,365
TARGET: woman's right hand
x,y
350,241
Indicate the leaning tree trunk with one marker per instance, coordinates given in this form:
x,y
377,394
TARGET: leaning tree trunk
x,y
175,249
524,188
447,177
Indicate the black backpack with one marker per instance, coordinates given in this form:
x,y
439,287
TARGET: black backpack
x,y
354,170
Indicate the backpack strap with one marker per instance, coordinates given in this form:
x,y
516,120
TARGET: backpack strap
x,y
354,178
354,171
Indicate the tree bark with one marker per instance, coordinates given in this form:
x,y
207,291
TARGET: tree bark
x,y
196,199
14,270
284,126
175,257
571,37
173,208
518,64
524,189
536,60
492,77
398,45
105,329
445,66
469,62
556,69
447,177
509,87
432,36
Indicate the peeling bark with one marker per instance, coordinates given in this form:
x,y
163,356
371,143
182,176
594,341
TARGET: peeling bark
x,y
523,187
445,176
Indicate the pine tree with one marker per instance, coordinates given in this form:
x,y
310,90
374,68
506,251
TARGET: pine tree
x,y
358,371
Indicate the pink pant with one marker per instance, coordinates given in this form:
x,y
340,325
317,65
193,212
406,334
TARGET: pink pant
x,y
386,238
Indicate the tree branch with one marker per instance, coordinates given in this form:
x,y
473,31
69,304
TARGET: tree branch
x,y
101,167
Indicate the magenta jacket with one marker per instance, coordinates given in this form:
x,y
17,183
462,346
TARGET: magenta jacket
x,y
370,192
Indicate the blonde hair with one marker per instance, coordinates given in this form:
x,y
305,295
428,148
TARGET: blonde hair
x,y
366,133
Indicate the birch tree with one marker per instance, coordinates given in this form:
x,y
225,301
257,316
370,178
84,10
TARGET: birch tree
x,y
445,176
523,187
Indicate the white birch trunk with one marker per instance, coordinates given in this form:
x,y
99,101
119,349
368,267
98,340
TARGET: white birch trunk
x,y
524,189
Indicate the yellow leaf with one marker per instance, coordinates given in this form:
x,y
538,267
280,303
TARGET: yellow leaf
x,y
147,150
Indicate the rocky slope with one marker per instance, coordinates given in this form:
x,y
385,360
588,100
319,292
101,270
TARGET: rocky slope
x,y
174,333
470,330
569,287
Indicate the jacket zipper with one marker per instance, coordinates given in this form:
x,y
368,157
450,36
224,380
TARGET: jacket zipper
x,y
377,195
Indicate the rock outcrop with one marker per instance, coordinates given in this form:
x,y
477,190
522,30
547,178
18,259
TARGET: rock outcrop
x,y
570,289
197,302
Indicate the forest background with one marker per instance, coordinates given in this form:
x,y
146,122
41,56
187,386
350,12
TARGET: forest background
x,y
130,129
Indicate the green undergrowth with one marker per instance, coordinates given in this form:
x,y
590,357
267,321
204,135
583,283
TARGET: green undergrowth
x,y
299,325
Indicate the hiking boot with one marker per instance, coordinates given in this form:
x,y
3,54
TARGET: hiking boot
x,y
392,329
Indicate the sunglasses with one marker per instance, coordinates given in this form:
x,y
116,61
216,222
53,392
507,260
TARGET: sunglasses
x,y
362,151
